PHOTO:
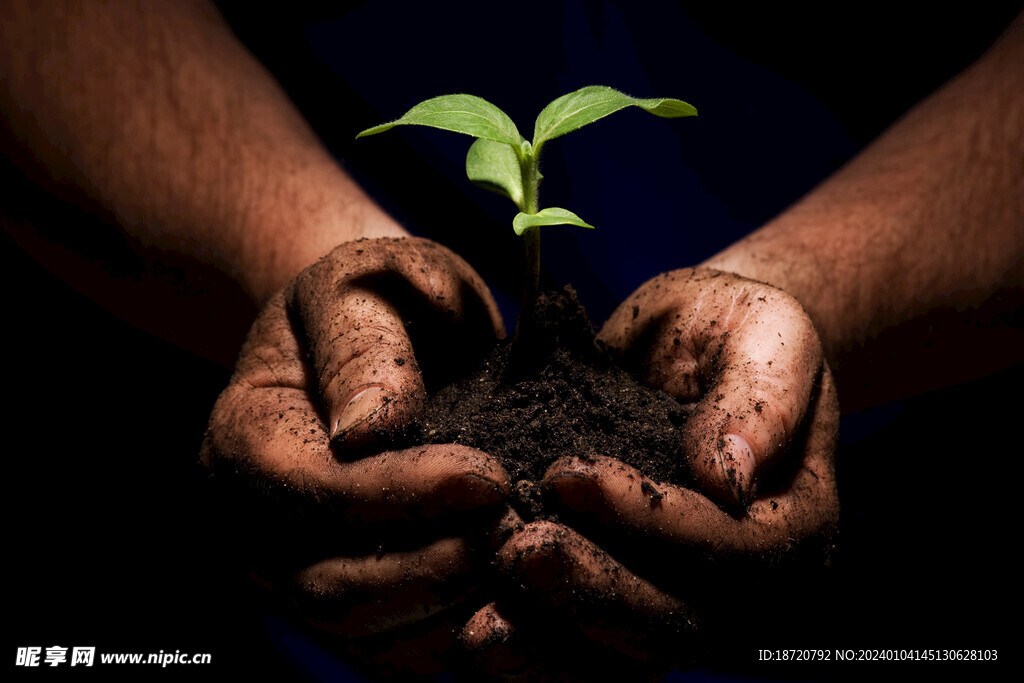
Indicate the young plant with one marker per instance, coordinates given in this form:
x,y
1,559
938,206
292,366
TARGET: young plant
x,y
503,161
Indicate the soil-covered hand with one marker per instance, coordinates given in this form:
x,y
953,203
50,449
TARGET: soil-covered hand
x,y
368,540
637,566
746,357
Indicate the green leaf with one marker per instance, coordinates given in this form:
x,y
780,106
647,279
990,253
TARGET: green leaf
x,y
459,113
594,102
553,216
495,167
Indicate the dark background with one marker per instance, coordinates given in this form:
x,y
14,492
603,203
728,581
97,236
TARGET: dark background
x,y
110,541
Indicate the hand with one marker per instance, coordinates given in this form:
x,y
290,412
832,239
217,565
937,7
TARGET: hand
x,y
368,540
643,563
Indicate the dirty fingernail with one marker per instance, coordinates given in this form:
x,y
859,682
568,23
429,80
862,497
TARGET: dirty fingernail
x,y
539,568
361,407
738,464
471,491
575,490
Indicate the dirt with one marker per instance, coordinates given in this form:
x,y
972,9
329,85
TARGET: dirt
x,y
560,394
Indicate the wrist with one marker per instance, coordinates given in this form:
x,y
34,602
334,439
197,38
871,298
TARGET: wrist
x,y
775,255
300,220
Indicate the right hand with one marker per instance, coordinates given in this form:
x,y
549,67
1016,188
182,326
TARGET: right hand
x,y
367,540
636,573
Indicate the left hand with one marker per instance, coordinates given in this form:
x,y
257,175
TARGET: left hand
x,y
645,561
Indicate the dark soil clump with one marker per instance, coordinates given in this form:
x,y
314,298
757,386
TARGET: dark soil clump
x,y
562,395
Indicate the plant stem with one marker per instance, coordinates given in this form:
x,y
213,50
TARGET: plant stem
x,y
531,184
532,238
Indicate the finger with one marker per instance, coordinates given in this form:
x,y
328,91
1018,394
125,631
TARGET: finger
x,y
273,438
366,371
356,596
574,578
507,523
808,505
493,644
615,494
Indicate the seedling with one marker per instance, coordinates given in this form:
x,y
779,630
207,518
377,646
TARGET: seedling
x,y
503,161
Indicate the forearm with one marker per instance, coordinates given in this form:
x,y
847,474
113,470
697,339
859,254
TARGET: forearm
x,y
910,259
154,111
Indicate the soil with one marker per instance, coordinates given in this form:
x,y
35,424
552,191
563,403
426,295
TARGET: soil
x,y
563,394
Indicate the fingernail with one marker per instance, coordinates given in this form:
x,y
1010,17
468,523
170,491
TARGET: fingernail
x,y
539,568
576,490
738,464
361,407
471,491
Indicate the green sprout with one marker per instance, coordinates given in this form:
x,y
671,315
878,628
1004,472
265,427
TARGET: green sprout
x,y
503,161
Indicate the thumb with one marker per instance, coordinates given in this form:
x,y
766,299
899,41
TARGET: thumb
x,y
749,413
368,379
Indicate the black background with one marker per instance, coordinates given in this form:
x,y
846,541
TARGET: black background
x,y
109,541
